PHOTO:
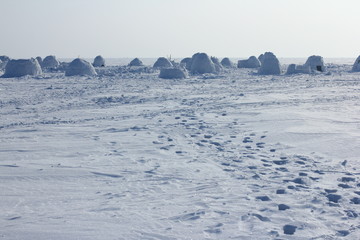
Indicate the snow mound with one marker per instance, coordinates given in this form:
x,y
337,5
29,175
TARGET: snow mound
x,y
162,62
50,62
316,63
22,67
99,61
295,69
80,67
270,65
201,63
4,58
356,66
173,73
251,62
227,63
186,62
136,63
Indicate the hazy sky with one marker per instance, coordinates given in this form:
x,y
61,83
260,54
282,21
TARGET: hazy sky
x,y
153,28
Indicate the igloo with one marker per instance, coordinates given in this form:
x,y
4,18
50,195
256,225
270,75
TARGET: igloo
x,y
356,66
270,65
201,63
186,62
22,67
251,62
173,73
261,58
50,62
99,61
80,67
136,63
162,62
294,69
316,63
227,63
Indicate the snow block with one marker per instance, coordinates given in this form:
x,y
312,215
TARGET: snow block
x,y
80,67
22,67
295,69
270,65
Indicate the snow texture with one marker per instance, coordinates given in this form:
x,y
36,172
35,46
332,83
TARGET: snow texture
x,y
162,62
227,63
172,73
201,63
270,65
316,63
252,62
136,62
99,61
50,62
22,67
356,66
127,155
80,67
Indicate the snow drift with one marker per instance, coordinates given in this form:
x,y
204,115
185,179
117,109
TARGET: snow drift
x,y
316,63
270,65
80,67
162,62
22,67
172,73
50,62
251,62
356,66
201,63
99,61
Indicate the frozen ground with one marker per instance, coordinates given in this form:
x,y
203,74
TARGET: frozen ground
x,y
127,155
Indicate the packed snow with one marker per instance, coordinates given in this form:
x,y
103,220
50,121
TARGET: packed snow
x,y
127,155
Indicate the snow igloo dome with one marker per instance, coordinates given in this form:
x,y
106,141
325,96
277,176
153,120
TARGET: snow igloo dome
x,y
173,73
162,62
316,63
227,63
201,63
136,62
270,65
99,61
50,62
356,66
22,67
251,62
80,67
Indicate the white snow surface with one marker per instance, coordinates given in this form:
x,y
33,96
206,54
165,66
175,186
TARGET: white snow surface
x,y
127,155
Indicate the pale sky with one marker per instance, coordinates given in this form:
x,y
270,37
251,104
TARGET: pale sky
x,y
180,28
